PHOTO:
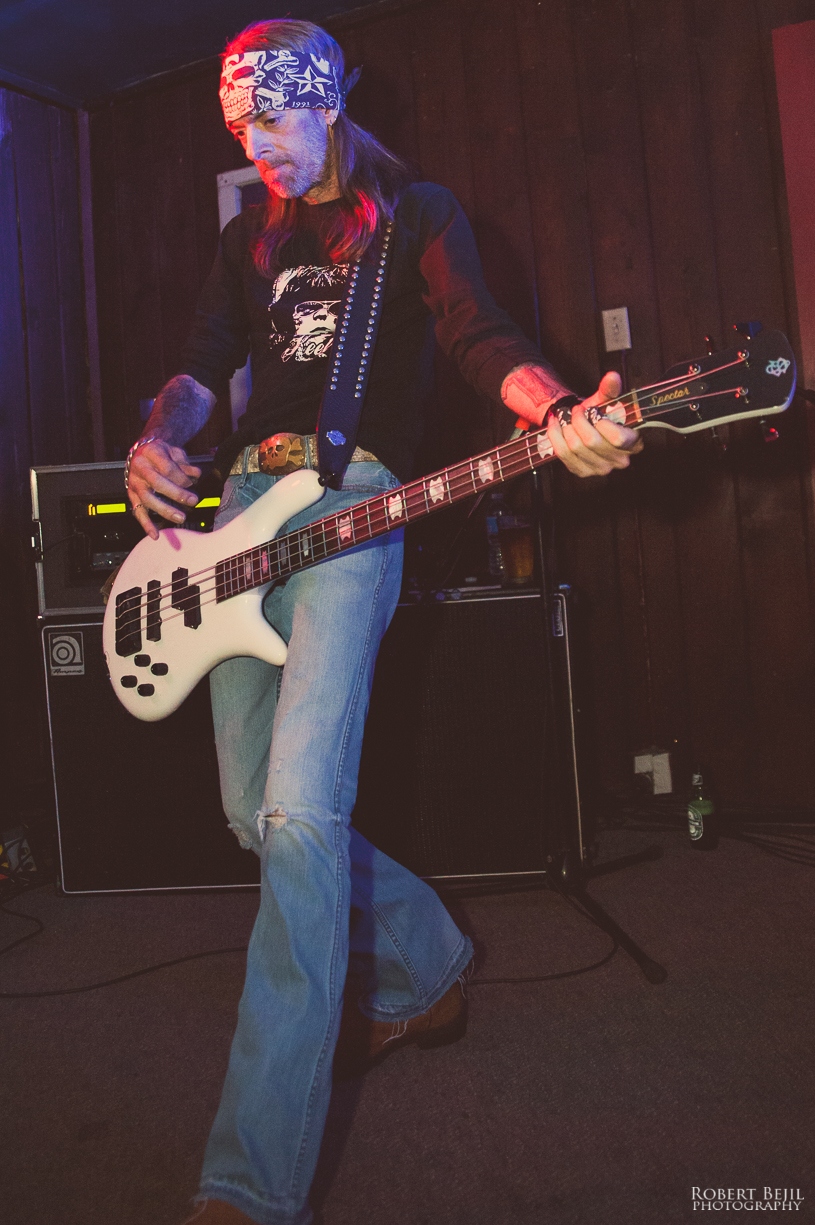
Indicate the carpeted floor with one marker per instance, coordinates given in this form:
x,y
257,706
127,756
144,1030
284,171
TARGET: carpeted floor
x,y
597,1099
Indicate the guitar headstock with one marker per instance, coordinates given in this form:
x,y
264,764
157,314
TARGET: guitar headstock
x,y
753,379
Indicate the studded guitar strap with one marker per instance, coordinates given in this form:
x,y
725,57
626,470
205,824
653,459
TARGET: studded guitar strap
x,y
347,379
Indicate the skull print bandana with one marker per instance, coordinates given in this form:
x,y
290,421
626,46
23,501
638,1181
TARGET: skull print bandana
x,y
257,81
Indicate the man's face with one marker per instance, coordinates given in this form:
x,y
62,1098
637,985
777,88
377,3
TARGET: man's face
x,y
289,148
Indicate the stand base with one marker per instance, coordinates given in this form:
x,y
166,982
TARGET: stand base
x,y
570,876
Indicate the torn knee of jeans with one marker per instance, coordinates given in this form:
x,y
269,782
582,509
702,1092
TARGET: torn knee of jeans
x,y
273,820
243,838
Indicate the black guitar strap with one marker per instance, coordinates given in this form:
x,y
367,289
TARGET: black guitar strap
x,y
347,379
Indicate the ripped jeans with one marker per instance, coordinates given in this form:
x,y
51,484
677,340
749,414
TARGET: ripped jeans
x,y
289,742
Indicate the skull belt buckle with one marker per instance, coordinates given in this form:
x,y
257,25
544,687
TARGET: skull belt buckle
x,y
281,454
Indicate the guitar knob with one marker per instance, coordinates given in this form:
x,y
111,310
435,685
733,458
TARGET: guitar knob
x,y
146,691
160,669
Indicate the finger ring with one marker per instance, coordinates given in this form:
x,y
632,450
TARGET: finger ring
x,y
136,506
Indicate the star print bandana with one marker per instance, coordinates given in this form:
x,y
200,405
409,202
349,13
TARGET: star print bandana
x,y
280,80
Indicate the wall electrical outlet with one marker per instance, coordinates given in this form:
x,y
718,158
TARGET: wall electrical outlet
x,y
616,329
655,766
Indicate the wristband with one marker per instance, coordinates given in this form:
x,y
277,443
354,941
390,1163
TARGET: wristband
x,y
561,408
141,442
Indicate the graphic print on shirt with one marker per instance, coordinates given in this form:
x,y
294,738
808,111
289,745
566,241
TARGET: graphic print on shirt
x,y
303,311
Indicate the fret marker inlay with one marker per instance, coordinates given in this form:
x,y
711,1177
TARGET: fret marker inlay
x,y
485,470
396,506
436,489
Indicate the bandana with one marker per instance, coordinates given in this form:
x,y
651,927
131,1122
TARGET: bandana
x,y
258,81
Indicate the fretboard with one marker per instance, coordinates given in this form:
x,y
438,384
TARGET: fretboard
x,y
277,558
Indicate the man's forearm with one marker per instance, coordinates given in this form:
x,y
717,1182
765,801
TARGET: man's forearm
x,y
530,390
181,409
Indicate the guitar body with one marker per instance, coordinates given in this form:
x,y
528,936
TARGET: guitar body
x,y
167,667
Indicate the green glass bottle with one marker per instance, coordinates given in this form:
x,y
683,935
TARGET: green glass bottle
x,y
701,815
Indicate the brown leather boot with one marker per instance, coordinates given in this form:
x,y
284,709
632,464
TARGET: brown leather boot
x,y
363,1043
216,1212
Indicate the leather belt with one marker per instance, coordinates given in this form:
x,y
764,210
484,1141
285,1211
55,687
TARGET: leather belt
x,y
285,453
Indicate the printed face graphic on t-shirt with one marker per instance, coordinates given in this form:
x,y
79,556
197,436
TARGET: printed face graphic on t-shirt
x,y
304,311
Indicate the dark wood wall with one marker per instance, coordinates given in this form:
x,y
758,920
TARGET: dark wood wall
x,y
608,153
44,407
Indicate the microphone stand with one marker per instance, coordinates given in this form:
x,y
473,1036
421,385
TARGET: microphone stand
x,y
568,869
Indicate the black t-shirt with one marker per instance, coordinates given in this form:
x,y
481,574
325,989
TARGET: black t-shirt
x,y
287,323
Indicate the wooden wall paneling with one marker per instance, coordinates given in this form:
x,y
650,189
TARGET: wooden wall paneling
x,y
769,490
109,289
624,276
561,226
556,173
15,445
167,114
41,411
501,218
729,57
214,151
789,52
70,285
442,130
673,127
684,259
15,457
383,99
137,189
460,421
54,323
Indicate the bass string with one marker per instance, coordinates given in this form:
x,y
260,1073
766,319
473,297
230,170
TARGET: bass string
x,y
210,584
378,522
461,480
629,399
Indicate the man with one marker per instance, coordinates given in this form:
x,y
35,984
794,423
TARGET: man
x,y
289,740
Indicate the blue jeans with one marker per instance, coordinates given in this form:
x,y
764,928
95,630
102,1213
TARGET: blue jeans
x,y
289,742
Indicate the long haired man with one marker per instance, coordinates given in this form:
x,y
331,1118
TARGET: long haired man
x,y
289,740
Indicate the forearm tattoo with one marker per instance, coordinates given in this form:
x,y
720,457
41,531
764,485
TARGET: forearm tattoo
x,y
181,409
531,387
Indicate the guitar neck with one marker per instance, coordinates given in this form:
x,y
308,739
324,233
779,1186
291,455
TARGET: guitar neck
x,y
284,555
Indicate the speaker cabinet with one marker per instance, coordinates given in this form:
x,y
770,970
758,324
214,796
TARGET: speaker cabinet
x,y
452,774
138,804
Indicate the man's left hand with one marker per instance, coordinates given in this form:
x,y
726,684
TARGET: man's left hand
x,y
594,450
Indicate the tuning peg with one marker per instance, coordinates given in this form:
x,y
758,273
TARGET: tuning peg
x,y
710,345
720,443
769,432
749,329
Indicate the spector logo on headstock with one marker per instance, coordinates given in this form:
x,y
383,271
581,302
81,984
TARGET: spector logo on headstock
x,y
667,397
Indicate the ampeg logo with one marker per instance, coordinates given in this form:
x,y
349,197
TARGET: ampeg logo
x,y
66,654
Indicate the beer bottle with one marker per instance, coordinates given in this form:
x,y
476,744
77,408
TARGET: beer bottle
x,y
701,814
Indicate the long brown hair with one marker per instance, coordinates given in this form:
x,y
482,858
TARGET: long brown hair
x,y
370,176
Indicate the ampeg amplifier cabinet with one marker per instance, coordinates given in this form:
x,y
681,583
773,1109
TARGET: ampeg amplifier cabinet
x,y
138,804
453,780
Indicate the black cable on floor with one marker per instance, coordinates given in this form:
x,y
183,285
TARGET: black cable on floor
x,y
545,978
110,982
163,965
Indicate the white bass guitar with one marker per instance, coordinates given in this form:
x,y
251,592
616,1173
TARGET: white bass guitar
x,y
186,602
